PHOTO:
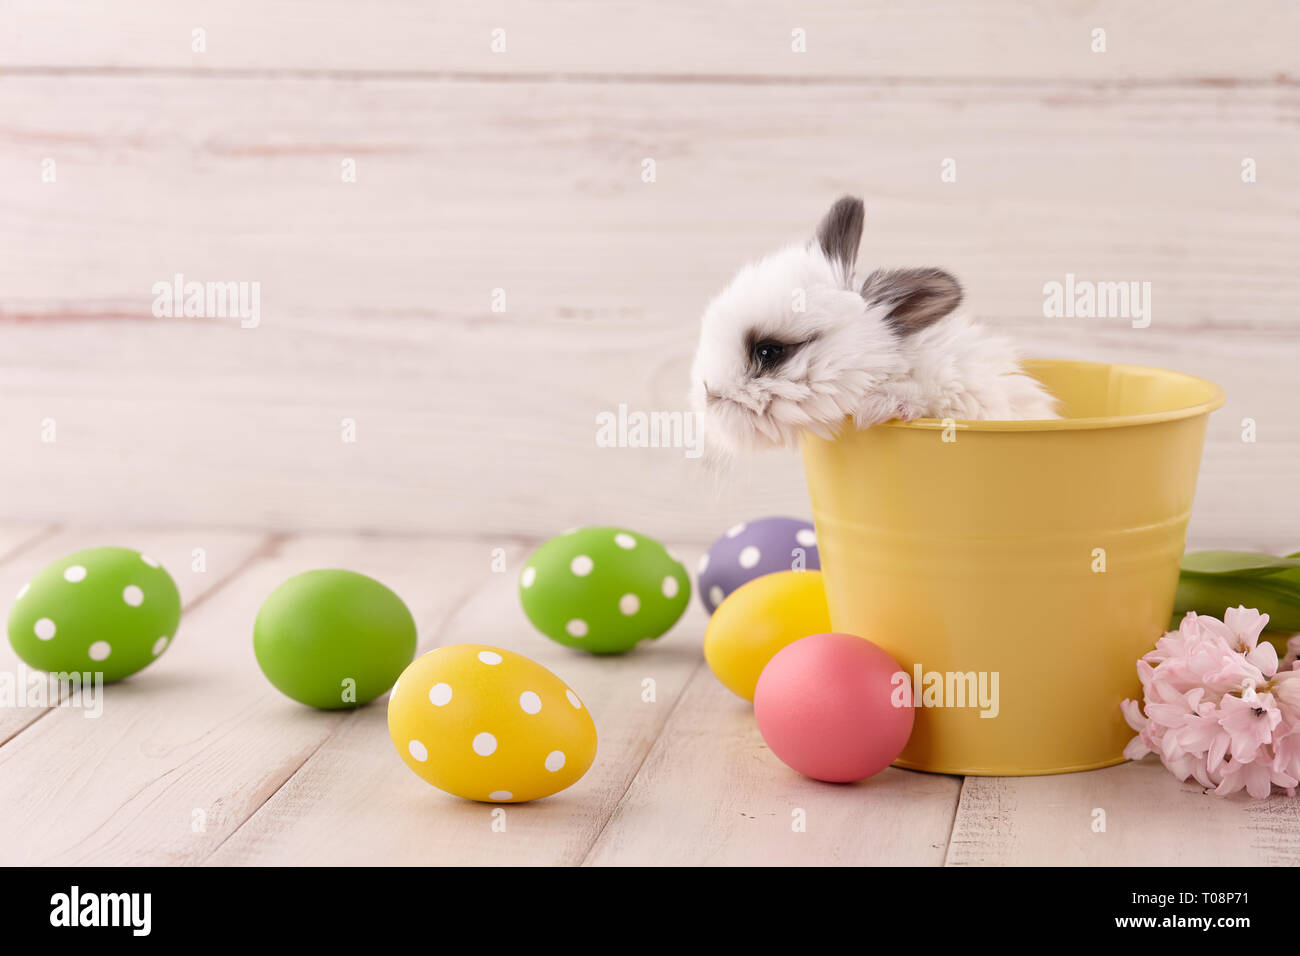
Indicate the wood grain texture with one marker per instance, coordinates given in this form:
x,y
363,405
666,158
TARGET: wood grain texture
x,y
376,295
711,793
353,802
1193,39
683,778
18,536
182,756
1150,820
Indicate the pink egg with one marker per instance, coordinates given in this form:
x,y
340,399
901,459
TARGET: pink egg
x,y
826,705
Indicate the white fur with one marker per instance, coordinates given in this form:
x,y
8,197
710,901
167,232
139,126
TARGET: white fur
x,y
857,367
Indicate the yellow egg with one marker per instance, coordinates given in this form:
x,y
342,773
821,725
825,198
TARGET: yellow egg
x,y
489,724
758,619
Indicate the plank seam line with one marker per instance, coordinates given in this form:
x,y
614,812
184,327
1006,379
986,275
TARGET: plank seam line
x,y
1279,79
663,729
25,545
339,725
467,596
266,547
25,727
952,828
521,546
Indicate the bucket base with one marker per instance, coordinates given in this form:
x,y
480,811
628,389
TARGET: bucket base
x,y
984,772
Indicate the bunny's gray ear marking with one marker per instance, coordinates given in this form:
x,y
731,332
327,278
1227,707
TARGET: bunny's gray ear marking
x,y
840,233
913,298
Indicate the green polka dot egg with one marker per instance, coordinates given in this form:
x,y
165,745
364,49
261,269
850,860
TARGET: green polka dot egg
x,y
603,589
108,610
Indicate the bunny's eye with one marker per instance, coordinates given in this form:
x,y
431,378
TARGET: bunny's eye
x,y
768,354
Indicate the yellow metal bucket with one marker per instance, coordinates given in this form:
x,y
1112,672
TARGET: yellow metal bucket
x,y
1018,569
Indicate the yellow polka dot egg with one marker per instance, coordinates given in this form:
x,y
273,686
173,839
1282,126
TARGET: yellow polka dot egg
x,y
488,724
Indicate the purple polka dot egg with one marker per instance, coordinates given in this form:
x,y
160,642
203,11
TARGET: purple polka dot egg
x,y
752,549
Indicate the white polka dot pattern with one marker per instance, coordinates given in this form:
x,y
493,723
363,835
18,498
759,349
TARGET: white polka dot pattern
x,y
509,732
105,610
603,589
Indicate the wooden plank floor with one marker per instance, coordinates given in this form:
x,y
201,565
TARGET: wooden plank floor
x,y
199,761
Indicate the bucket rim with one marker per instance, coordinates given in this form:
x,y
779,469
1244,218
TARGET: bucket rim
x,y
1214,392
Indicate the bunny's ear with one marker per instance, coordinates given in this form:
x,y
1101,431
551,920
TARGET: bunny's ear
x,y
840,233
913,298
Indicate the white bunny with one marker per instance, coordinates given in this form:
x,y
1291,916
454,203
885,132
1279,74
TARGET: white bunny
x,y
791,344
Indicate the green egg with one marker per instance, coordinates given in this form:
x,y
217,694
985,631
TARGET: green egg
x,y
333,639
106,610
603,589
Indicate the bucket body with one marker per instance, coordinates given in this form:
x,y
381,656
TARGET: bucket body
x,y
1024,566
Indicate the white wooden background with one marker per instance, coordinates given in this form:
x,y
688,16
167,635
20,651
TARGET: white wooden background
x,y
522,171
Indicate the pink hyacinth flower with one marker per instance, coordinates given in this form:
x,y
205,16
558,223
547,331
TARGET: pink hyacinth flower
x,y
1249,721
1292,653
1247,624
1257,777
1286,753
1218,706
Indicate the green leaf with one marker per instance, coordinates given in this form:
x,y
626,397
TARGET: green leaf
x,y
1237,562
1277,595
